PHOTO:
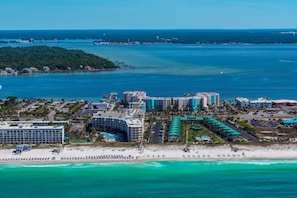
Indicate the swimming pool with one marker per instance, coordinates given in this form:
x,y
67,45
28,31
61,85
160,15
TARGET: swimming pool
x,y
109,136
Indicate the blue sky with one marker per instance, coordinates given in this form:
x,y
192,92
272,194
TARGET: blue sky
x,y
147,14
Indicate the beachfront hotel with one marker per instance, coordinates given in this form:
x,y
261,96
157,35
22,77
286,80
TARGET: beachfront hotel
x,y
129,121
30,134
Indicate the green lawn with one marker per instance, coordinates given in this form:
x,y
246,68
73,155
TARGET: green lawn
x,y
245,125
198,130
81,141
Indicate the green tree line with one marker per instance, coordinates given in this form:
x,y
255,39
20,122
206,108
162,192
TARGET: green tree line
x,y
56,58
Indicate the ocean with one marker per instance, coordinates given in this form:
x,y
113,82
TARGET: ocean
x,y
251,178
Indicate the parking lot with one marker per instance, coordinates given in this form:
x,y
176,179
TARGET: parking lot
x,y
157,133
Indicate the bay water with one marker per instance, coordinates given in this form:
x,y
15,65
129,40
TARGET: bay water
x,y
246,70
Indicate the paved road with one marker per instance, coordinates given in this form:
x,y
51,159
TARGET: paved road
x,y
249,136
156,133
244,133
51,115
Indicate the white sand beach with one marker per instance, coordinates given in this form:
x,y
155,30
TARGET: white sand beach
x,y
151,152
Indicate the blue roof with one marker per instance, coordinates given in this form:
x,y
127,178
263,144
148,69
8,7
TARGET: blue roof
x,y
290,121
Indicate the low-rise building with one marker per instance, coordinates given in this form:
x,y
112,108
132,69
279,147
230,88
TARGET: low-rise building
x,y
290,122
283,102
63,110
261,103
242,102
100,106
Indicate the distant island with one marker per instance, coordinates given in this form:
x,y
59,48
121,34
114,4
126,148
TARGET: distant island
x,y
14,60
128,37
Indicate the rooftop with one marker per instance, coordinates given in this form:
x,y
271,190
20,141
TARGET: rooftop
x,y
241,99
5,125
284,101
261,100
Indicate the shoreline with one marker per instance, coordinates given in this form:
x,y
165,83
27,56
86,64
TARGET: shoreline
x,y
63,163
64,72
89,154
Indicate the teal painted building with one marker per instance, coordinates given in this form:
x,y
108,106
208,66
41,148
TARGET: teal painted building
x,y
150,104
194,103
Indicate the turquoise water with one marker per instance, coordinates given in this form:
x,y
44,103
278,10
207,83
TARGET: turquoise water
x,y
260,178
109,136
171,70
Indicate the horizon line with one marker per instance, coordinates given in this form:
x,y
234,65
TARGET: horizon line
x,y
151,29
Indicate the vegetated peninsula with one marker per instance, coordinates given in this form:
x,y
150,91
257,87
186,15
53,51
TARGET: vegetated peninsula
x,y
42,58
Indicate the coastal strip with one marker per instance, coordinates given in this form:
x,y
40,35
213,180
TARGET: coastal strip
x,y
149,153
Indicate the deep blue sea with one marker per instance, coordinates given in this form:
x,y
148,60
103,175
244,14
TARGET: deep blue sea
x,y
258,178
246,70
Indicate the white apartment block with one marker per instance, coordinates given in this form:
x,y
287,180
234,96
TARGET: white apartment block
x,y
131,123
209,98
180,103
30,134
201,100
